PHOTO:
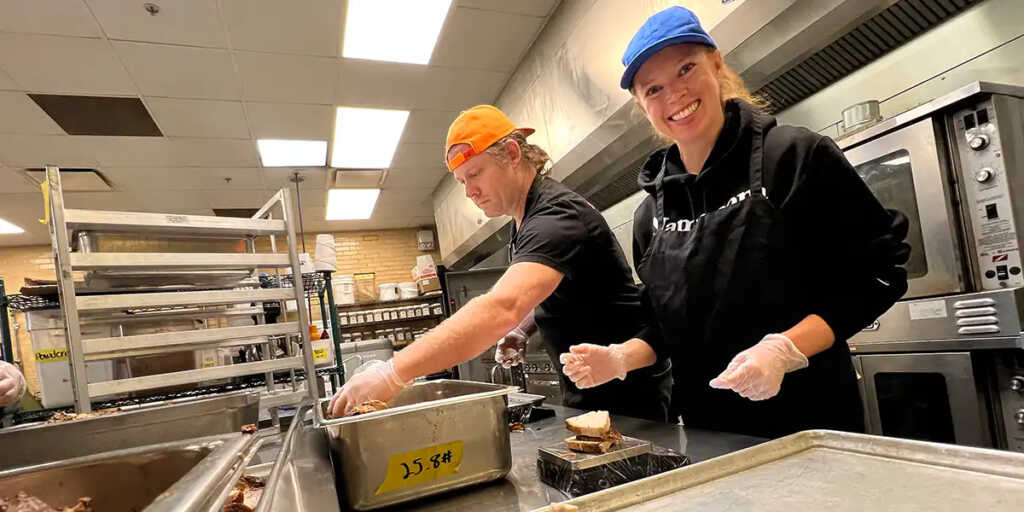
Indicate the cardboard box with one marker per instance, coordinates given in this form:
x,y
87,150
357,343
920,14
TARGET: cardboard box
x,y
428,284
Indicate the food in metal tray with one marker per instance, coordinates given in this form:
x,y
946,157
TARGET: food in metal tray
x,y
369,406
23,502
594,433
61,417
246,494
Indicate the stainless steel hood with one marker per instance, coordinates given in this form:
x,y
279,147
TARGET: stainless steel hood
x,y
567,86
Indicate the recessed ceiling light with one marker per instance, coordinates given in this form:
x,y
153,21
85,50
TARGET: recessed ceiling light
x,y
366,138
6,228
287,153
351,203
393,30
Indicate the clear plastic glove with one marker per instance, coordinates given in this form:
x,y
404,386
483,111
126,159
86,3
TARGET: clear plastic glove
x,y
375,380
511,349
12,384
756,373
588,365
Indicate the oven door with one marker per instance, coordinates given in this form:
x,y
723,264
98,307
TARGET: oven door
x,y
924,396
907,173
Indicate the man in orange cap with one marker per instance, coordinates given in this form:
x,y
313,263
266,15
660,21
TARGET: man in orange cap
x,y
568,278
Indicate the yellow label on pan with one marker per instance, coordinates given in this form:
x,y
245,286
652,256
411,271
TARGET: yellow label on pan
x,y
53,354
319,354
420,466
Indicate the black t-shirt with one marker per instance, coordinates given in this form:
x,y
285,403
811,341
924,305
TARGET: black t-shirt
x,y
597,300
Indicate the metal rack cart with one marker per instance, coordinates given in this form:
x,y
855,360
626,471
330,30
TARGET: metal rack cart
x,y
157,266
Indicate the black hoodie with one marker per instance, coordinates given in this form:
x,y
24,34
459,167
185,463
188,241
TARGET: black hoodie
x,y
851,241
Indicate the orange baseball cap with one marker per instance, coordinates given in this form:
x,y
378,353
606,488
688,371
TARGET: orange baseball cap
x,y
479,127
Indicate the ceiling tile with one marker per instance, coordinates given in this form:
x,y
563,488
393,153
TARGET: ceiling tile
x,y
357,178
40,150
63,65
404,203
287,78
363,83
22,115
178,152
180,71
528,7
325,226
24,211
290,121
429,126
307,27
6,82
418,156
486,39
194,22
423,177
235,198
199,118
183,178
316,178
59,17
425,222
13,182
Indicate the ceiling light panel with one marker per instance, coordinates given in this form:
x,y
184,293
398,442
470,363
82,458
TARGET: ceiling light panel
x,y
351,203
6,228
287,153
366,138
393,30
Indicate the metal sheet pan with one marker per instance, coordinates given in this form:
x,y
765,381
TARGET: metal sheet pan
x,y
827,470
36,443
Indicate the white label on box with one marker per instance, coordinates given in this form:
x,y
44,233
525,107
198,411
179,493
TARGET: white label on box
x,y
927,309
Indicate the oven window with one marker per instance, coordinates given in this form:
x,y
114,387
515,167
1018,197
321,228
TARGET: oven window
x,y
891,178
914,406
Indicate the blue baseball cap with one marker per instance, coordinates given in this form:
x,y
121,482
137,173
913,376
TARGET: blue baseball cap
x,y
675,25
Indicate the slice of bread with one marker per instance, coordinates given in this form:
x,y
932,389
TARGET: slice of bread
x,y
591,424
578,445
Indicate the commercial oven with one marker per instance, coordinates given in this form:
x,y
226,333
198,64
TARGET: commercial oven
x,y
946,363
947,369
955,168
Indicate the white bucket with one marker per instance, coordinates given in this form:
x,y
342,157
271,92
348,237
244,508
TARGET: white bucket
x,y
408,290
344,289
388,291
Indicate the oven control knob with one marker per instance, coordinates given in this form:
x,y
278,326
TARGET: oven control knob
x,y
1019,417
983,175
1017,384
978,142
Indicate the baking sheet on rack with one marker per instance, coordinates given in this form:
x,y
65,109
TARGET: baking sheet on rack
x,y
832,471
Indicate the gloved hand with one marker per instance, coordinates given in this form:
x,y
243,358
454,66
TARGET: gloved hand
x,y
511,349
375,380
588,365
756,373
12,384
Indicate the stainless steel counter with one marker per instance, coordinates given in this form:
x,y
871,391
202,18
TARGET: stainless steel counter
x,y
522,489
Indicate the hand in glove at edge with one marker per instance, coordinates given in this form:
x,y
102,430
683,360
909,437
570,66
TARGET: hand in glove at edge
x,y
511,349
375,380
757,372
12,384
588,365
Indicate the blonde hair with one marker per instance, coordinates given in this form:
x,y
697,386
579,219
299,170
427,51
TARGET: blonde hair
x,y
533,155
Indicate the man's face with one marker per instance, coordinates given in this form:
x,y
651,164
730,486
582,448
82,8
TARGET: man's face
x,y
488,182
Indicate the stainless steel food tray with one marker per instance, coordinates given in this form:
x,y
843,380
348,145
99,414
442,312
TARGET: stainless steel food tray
x,y
184,476
464,424
834,471
36,443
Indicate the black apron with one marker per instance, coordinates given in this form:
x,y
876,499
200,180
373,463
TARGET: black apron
x,y
717,289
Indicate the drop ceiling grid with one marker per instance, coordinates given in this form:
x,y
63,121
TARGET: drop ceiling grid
x,y
217,74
